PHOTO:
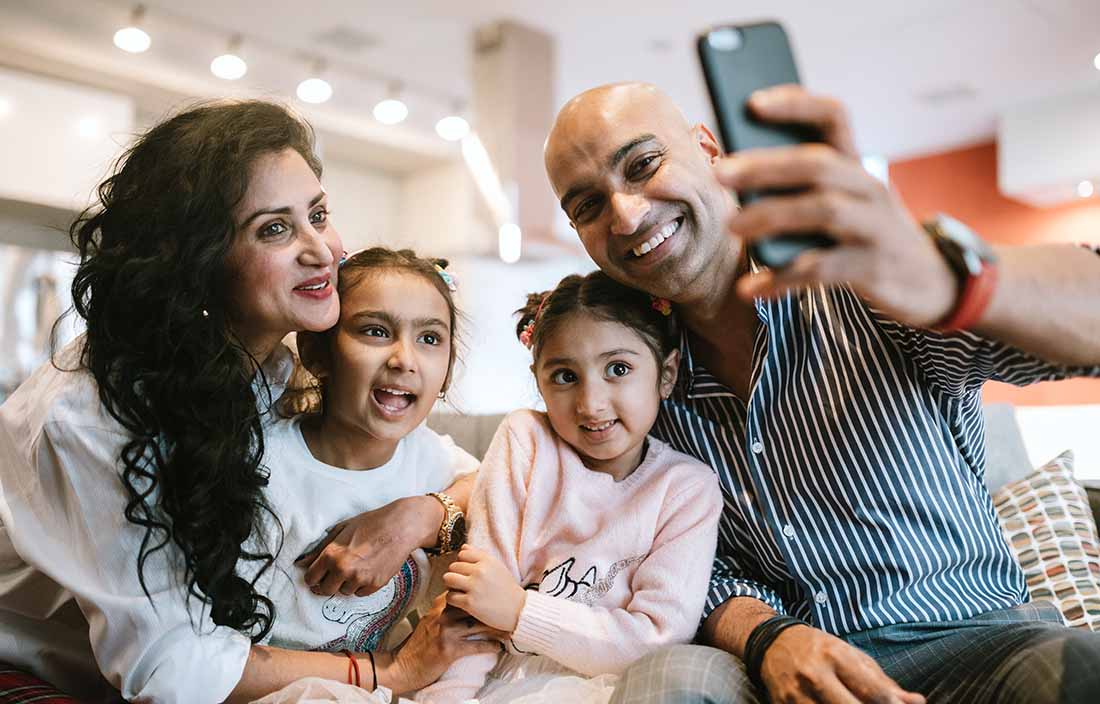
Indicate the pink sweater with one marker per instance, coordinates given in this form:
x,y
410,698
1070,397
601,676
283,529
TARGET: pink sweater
x,y
613,569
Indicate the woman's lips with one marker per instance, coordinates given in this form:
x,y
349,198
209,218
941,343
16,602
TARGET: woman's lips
x,y
318,289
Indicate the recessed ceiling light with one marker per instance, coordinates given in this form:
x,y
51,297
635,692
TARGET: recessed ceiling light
x,y
133,38
314,90
5,107
228,66
1096,62
1085,189
452,128
390,111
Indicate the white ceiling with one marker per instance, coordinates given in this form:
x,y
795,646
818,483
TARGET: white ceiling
x,y
879,56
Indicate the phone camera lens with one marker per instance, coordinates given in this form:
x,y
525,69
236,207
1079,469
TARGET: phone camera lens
x,y
725,39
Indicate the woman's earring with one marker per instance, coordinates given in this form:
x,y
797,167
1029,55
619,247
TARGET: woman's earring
x,y
205,313
442,396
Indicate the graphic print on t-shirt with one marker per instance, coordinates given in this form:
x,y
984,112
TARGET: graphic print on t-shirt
x,y
369,617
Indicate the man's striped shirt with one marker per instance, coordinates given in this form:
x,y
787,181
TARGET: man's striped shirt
x,y
853,476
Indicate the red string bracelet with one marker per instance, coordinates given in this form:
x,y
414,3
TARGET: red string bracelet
x,y
353,666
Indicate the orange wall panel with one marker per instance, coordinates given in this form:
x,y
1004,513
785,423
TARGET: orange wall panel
x,y
963,184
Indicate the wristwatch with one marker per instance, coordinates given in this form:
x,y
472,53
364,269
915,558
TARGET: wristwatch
x,y
975,266
452,531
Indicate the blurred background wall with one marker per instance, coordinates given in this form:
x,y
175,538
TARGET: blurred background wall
x,y
986,110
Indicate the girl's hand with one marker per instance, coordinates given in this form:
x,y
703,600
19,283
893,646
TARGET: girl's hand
x,y
440,637
483,587
361,554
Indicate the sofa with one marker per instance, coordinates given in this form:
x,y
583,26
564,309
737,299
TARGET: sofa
x,y
1007,465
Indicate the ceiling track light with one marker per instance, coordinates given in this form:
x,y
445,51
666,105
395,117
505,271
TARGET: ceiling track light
x,y
230,66
453,127
133,38
391,110
315,89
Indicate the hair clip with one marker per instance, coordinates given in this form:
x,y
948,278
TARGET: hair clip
x,y
661,305
526,336
528,331
452,285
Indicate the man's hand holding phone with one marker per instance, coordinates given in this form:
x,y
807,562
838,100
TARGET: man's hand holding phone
x,y
881,251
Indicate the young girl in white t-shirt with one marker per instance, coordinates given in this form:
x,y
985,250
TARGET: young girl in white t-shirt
x,y
591,542
361,444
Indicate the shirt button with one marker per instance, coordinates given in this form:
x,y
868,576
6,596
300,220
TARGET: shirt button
x,y
757,447
821,597
788,530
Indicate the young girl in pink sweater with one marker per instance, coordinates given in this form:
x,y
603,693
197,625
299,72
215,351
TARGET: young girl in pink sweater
x,y
590,542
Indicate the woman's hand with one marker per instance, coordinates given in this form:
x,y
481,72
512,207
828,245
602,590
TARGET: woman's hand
x,y
440,637
361,554
483,587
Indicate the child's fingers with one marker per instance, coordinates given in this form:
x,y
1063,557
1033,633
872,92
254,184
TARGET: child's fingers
x,y
460,567
469,553
456,581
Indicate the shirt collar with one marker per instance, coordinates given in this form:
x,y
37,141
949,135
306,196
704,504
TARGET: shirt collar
x,y
689,373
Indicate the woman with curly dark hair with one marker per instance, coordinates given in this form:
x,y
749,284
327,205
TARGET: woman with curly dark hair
x,y
135,524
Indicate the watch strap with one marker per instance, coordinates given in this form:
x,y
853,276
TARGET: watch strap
x,y
974,297
445,537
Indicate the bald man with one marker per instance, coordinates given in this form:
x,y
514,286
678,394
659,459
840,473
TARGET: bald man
x,y
839,401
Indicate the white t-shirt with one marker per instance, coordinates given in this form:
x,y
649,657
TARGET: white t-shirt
x,y
309,497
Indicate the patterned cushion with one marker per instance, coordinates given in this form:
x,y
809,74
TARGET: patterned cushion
x,y
18,687
1046,519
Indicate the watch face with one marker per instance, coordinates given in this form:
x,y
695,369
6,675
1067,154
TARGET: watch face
x,y
964,237
458,531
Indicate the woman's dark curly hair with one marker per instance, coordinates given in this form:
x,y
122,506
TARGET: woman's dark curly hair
x,y
152,287
602,297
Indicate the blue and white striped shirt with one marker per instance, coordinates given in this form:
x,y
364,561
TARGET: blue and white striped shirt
x,y
853,477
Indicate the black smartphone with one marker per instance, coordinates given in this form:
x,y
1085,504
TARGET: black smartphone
x,y
738,60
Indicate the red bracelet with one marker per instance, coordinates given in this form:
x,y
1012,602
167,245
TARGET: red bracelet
x,y
353,666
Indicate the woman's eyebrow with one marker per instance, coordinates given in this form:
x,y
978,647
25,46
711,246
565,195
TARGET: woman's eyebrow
x,y
285,210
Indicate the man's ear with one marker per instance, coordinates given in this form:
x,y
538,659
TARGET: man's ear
x,y
670,368
313,350
707,143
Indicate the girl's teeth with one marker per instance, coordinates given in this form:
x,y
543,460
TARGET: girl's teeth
x,y
602,426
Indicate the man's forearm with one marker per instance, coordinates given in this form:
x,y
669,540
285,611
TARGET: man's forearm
x,y
728,627
1047,303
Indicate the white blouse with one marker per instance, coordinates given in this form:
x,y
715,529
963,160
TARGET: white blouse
x,y
71,607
